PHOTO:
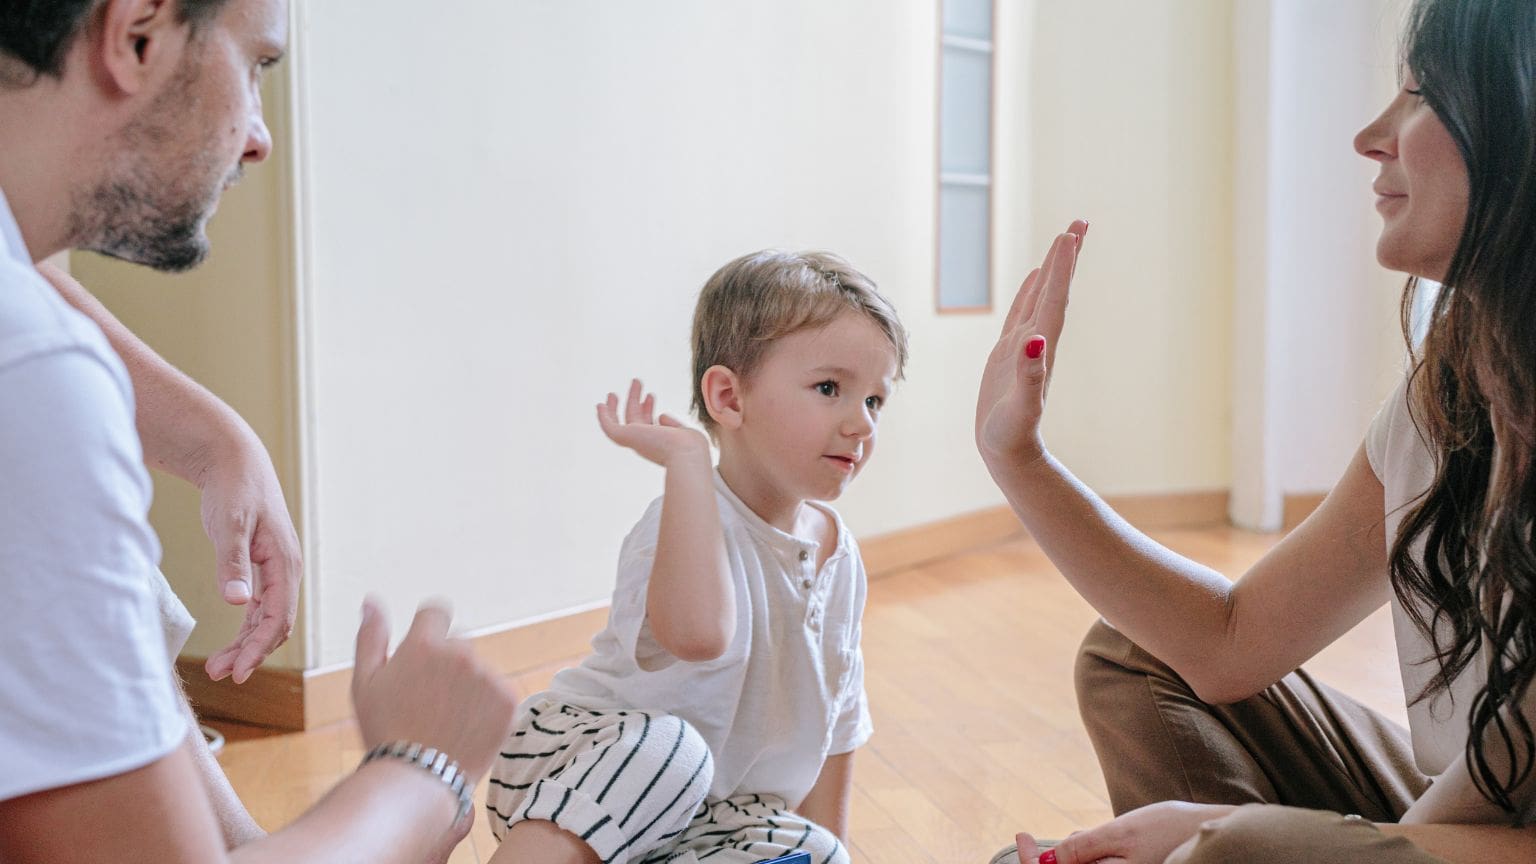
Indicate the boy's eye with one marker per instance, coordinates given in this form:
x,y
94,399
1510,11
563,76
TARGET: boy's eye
x,y
827,388
873,403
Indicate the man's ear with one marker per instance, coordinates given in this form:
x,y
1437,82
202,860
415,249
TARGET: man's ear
x,y
136,42
722,396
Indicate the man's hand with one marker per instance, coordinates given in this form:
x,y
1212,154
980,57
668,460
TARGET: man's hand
x,y
256,549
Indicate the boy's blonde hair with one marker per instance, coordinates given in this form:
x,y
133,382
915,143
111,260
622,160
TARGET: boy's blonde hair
x,y
768,295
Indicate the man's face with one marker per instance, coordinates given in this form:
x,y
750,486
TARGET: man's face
x,y
174,161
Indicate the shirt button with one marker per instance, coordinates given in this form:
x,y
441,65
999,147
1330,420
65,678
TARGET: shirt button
x,y
805,583
804,555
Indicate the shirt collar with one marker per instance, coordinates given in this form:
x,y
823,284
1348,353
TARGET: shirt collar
x,y
777,537
10,233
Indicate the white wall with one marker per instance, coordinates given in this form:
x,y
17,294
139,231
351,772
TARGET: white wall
x,y
1317,346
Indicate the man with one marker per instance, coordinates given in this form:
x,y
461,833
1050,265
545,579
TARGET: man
x,y
121,123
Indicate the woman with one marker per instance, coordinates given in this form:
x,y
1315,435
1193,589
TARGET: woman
x,y
1188,690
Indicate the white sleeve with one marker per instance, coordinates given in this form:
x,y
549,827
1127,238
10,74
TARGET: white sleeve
x,y
85,682
1392,412
631,625
853,726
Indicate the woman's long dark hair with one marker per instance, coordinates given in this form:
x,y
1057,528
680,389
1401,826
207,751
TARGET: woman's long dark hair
x,y
1474,385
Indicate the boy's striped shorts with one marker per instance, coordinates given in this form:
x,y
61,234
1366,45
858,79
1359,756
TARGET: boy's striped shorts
x,y
626,782
632,784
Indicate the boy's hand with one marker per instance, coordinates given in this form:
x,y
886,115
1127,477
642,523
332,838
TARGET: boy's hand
x,y
661,440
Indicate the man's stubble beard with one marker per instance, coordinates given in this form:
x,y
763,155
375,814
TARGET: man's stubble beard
x,y
142,211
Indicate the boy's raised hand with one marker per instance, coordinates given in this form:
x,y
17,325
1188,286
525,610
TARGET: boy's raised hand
x,y
1012,394
659,439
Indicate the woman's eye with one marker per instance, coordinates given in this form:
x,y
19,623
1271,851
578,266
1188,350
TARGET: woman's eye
x,y
827,388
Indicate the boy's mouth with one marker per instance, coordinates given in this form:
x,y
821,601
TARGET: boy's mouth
x,y
846,463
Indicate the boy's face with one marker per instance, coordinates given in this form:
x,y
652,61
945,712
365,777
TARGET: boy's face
x,y
811,408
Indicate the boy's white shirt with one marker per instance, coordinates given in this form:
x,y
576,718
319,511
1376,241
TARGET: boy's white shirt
x,y
789,690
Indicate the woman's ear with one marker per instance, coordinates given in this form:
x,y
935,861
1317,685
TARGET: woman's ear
x,y
722,396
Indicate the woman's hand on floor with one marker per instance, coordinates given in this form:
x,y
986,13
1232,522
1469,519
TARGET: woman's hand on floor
x,y
1146,835
1013,386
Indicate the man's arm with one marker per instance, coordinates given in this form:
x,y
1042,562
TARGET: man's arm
x,y
189,432
828,801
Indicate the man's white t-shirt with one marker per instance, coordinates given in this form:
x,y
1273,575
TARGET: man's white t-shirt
x,y
85,673
787,693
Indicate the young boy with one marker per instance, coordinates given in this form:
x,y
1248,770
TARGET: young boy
x,y
718,713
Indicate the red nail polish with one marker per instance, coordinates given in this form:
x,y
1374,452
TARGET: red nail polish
x,y
1034,347
1048,857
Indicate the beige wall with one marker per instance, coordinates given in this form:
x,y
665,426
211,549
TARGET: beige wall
x,y
1130,124
502,216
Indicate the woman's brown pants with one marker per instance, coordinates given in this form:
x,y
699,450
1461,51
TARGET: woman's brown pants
x,y
1302,752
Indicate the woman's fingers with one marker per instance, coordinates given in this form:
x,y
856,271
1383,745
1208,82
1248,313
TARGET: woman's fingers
x,y
1051,313
1023,301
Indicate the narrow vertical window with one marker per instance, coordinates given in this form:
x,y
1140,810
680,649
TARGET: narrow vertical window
x,y
965,156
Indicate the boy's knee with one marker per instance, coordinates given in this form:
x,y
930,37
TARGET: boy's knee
x,y
672,747
824,846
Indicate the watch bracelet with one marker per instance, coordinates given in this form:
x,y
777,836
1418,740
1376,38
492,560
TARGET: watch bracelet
x,y
434,762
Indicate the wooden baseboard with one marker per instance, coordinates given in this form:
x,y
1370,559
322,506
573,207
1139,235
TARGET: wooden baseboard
x,y
1173,510
884,554
1296,508
291,699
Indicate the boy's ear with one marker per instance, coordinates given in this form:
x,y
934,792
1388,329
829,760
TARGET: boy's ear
x,y
135,43
722,396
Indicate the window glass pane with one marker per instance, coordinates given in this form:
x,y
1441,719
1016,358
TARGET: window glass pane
x,y
971,18
965,121
964,241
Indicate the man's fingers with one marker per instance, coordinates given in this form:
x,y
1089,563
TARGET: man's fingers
x,y
372,644
232,549
431,622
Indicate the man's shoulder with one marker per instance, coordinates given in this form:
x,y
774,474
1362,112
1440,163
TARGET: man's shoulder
x,y
35,320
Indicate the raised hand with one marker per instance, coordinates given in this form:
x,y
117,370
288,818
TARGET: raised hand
x,y
659,439
1013,386
433,691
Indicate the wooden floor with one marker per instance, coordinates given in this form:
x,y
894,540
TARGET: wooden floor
x,y
968,668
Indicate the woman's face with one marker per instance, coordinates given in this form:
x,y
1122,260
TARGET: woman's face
x,y
1421,190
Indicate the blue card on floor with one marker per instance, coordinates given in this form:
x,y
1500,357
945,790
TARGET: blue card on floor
x,y
791,858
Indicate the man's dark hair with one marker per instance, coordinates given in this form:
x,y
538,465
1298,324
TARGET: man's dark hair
x,y
38,32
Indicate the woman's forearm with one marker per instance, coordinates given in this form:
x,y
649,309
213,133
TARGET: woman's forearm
x,y
1139,586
